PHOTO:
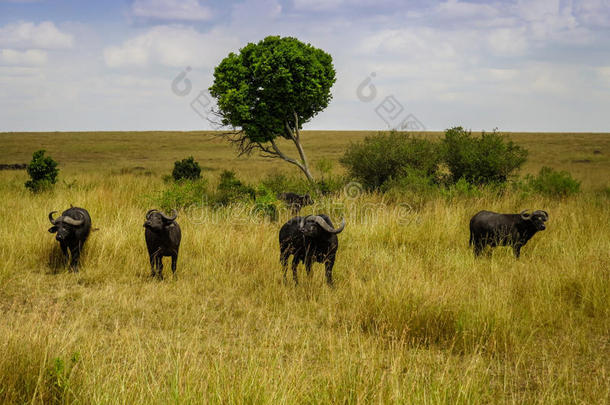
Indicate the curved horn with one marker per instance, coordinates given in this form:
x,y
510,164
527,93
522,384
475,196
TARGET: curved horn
x,y
72,221
524,215
543,212
302,221
51,217
320,221
150,212
174,213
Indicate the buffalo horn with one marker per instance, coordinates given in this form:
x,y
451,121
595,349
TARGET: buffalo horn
x,y
543,212
320,221
524,215
172,218
51,217
72,221
150,212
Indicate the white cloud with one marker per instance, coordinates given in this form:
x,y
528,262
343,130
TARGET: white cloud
x,y
507,42
31,35
317,5
187,10
172,45
461,10
30,57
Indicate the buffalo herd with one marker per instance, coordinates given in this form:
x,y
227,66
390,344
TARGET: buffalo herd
x,y
306,238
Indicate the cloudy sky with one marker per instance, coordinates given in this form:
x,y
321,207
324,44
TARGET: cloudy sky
x,y
531,65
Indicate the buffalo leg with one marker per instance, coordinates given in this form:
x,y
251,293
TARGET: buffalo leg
x,y
174,262
478,248
64,250
75,252
284,262
308,261
295,263
152,264
160,266
328,265
517,251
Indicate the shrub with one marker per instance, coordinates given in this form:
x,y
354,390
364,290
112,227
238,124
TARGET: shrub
x,y
186,169
411,181
461,188
390,155
266,203
553,183
43,172
181,195
231,190
280,183
488,159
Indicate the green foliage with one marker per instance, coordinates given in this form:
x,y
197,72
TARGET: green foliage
x,y
488,159
59,376
186,169
261,89
412,180
43,172
182,194
461,188
384,156
231,190
552,183
280,183
266,203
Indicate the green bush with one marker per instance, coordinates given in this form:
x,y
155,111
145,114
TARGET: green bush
x,y
488,159
385,156
183,194
280,183
186,169
266,203
412,180
43,172
461,188
231,190
552,183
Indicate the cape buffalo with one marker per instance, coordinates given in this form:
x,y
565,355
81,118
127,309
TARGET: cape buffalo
x,y
162,239
295,201
72,229
493,229
309,238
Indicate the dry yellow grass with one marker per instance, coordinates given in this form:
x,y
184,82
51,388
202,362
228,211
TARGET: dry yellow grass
x,y
414,318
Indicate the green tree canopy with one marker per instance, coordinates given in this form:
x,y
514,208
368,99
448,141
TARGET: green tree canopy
x,y
269,90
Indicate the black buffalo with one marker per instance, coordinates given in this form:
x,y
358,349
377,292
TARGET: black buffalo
x,y
72,229
162,239
493,229
295,201
309,238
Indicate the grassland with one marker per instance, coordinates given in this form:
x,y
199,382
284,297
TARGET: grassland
x,y
414,318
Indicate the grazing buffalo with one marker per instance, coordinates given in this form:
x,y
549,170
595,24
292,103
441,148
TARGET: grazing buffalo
x,y
309,238
295,201
162,239
493,229
72,229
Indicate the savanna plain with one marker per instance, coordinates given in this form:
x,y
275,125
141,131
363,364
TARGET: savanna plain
x,y
413,316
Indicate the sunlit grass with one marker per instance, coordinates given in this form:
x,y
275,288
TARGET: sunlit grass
x,y
413,318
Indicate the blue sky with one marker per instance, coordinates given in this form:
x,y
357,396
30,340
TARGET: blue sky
x,y
513,65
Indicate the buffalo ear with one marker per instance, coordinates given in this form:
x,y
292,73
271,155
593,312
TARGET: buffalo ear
x,y
53,229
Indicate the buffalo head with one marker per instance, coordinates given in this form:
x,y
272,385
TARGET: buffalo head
x,y
537,218
64,226
314,225
157,221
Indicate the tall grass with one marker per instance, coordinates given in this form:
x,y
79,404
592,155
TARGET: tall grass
x,y
413,318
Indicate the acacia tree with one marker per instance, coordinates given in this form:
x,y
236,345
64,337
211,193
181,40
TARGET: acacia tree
x,y
270,90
